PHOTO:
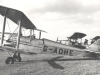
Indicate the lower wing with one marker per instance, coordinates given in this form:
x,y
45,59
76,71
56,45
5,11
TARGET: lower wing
x,y
13,50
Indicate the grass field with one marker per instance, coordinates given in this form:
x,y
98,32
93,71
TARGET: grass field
x,y
49,64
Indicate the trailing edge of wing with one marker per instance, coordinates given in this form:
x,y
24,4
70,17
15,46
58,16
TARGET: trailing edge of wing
x,y
41,30
15,16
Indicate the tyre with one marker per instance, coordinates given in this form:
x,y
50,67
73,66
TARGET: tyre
x,y
19,59
9,60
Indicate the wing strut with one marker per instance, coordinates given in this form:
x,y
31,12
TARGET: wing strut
x,y
19,33
3,30
30,34
40,35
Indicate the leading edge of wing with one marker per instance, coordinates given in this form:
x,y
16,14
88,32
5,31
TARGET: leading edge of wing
x,y
15,16
13,50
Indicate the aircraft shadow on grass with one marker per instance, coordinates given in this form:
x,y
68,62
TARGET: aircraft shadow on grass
x,y
52,62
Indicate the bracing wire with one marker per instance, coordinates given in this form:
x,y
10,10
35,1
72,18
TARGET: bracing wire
x,y
13,32
28,33
8,26
10,29
25,42
8,53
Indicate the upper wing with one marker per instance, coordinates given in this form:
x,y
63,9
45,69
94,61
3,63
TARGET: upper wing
x,y
15,16
77,35
41,30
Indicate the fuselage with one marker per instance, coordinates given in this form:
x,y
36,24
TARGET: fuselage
x,y
47,46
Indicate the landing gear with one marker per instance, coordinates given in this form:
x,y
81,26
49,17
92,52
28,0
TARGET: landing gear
x,y
11,60
93,55
97,56
17,57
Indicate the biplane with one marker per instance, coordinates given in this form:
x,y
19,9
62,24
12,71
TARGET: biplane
x,y
95,39
75,40
29,45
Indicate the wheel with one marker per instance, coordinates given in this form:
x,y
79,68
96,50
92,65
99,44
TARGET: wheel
x,y
15,56
19,59
9,60
97,56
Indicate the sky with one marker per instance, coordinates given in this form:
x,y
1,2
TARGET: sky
x,y
60,18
